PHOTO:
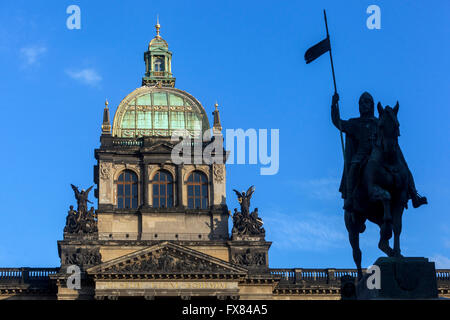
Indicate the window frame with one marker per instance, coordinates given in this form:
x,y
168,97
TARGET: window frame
x,y
200,184
131,194
159,183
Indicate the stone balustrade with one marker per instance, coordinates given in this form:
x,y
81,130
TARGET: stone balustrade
x,y
319,276
25,275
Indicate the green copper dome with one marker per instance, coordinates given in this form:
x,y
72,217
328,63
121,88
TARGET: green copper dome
x,y
154,111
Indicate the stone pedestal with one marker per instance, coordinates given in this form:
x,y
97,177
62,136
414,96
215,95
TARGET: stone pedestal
x,y
250,253
400,278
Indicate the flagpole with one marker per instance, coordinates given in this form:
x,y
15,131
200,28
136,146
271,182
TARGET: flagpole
x,y
334,82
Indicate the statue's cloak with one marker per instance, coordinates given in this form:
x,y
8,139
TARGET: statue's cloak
x,y
351,145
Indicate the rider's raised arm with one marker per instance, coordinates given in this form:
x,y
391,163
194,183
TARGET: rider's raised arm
x,y
343,125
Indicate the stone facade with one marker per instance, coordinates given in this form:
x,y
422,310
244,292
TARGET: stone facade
x,y
285,284
147,250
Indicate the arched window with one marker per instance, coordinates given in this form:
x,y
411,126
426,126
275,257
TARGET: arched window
x,y
162,190
197,187
159,64
127,190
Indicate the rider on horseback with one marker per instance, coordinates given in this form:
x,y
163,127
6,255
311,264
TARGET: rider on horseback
x,y
360,137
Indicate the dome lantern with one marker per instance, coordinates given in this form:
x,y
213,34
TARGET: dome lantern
x,y
157,108
158,62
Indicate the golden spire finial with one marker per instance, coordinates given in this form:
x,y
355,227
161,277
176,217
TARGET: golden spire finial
x,y
217,127
106,125
157,27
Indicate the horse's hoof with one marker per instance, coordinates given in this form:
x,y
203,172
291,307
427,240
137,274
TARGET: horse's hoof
x,y
391,254
360,275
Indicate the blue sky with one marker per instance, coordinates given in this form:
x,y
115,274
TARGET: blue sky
x,y
247,55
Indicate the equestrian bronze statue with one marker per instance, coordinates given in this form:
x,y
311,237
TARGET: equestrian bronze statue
x,y
376,183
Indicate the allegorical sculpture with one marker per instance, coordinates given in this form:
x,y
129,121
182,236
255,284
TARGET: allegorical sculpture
x,y
81,221
377,183
244,222
82,197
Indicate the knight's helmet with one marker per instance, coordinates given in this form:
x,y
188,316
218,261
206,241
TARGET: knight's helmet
x,y
367,96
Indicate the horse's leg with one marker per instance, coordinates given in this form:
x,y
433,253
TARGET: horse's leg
x,y
353,235
397,224
379,194
386,199
386,227
383,244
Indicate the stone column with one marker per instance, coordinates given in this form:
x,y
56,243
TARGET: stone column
x,y
331,275
298,275
145,182
144,194
179,186
211,186
146,64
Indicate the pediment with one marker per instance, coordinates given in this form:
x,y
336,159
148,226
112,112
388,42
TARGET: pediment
x,y
160,147
167,258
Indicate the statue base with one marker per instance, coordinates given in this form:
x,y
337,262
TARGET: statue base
x,y
400,278
237,237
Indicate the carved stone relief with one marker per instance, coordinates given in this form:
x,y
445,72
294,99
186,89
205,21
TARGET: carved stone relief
x,y
166,261
81,257
219,172
105,170
249,258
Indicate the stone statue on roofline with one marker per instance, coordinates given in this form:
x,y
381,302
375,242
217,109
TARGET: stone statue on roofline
x,y
81,221
244,222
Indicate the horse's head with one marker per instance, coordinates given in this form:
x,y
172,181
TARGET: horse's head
x,y
388,128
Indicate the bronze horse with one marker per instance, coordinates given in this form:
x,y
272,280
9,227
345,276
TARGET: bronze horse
x,y
382,191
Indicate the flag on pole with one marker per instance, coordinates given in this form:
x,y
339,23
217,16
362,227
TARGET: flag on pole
x,y
317,50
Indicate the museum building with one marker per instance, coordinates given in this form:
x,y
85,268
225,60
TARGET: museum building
x,y
161,228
